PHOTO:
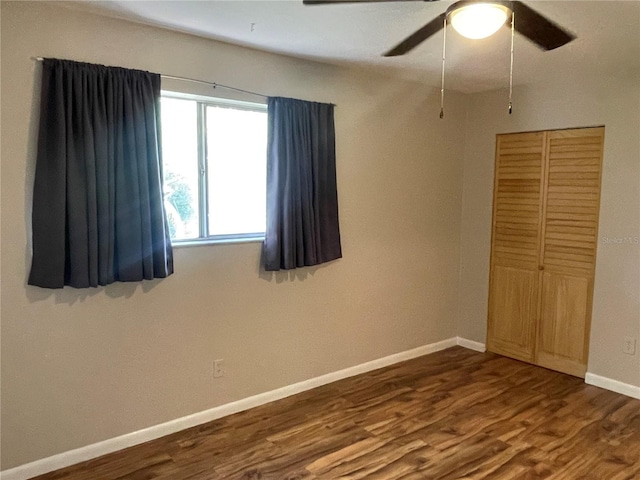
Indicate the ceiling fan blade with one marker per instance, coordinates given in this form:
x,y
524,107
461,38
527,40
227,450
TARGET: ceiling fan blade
x,y
418,37
329,2
539,29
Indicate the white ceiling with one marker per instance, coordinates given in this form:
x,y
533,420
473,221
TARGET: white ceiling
x,y
608,36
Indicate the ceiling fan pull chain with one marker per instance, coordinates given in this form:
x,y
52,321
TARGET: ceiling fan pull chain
x,y
444,51
513,30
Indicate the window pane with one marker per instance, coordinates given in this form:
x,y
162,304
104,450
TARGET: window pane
x,y
180,166
237,166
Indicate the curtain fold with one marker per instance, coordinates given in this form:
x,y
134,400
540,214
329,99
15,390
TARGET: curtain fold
x,y
98,214
302,200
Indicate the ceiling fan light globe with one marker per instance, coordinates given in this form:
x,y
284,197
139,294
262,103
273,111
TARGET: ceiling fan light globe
x,y
480,20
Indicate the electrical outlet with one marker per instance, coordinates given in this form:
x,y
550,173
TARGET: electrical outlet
x,y
218,368
629,346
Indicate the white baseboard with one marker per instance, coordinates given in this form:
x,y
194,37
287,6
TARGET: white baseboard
x,y
471,345
111,445
613,385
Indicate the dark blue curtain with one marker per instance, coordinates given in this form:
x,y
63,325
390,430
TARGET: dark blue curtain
x,y
98,213
302,199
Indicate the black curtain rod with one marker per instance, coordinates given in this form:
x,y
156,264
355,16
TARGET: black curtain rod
x,y
214,85
204,82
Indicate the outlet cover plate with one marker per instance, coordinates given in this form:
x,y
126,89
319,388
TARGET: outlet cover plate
x,y
218,368
629,346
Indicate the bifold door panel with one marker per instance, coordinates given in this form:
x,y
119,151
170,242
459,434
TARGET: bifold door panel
x,y
543,249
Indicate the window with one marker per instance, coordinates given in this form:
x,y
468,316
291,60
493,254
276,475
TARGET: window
x,y
214,164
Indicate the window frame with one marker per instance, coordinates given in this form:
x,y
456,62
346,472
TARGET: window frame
x,y
202,102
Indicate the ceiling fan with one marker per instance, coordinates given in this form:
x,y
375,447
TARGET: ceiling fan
x,y
482,17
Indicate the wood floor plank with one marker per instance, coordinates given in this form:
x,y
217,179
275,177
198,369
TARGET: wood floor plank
x,y
455,414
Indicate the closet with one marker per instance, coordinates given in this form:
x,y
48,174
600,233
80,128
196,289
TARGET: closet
x,y
543,247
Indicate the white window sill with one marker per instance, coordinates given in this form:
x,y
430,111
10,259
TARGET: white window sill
x,y
198,242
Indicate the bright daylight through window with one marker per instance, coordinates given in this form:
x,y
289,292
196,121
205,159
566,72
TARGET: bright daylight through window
x,y
214,166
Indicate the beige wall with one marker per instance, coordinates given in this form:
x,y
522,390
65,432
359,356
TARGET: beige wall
x,y
80,366
569,102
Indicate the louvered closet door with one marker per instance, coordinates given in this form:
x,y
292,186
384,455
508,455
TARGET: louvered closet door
x,y
570,232
517,207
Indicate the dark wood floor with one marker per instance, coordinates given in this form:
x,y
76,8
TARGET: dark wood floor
x,y
455,414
